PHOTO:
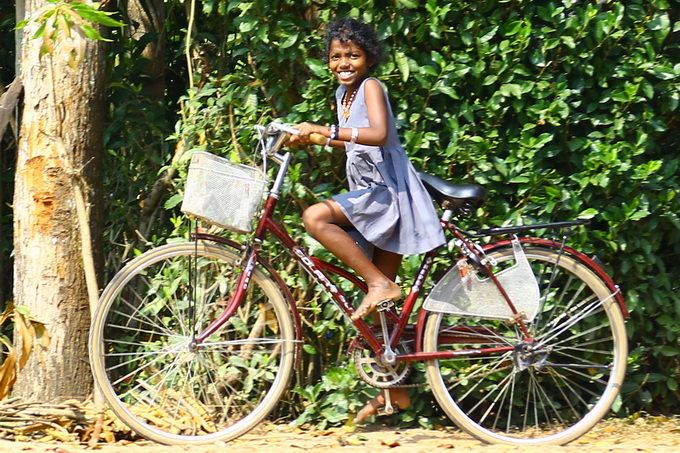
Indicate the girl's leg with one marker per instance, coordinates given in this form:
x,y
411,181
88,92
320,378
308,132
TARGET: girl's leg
x,y
398,396
323,221
388,263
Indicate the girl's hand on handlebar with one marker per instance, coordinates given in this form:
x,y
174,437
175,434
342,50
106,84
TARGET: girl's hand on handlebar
x,y
309,133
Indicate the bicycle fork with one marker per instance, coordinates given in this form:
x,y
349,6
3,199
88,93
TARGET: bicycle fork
x,y
234,302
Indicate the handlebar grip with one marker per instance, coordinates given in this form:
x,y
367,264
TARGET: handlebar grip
x,y
317,139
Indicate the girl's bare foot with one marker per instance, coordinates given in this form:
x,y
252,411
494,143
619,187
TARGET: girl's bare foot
x,y
376,294
399,397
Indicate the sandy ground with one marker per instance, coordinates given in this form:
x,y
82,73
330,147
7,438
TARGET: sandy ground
x,y
650,434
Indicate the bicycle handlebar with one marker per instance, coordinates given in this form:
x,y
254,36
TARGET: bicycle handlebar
x,y
317,139
283,128
278,134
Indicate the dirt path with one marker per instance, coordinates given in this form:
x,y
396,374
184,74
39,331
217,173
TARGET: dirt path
x,y
650,434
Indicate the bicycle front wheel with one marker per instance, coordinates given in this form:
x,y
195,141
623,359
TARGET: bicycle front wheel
x,y
549,389
153,373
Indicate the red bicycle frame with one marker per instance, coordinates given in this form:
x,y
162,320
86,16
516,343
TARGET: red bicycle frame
x,y
398,322
318,269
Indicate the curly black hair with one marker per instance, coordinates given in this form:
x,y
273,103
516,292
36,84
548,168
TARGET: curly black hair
x,y
360,33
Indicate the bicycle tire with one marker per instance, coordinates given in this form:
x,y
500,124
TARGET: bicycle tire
x,y
163,385
552,395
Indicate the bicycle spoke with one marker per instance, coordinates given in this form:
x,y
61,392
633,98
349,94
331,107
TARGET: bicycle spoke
x,y
151,362
549,382
591,307
490,399
563,346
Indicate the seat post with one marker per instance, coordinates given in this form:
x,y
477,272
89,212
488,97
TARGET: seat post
x,y
446,216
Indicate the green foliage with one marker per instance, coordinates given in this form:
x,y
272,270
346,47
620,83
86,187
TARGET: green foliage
x,y
332,400
64,25
560,108
137,151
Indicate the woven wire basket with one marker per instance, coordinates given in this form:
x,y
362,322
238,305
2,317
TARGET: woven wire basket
x,y
222,192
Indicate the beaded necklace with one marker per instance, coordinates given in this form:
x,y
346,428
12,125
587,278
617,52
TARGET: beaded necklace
x,y
347,103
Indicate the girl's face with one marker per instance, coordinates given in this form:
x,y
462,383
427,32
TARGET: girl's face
x,y
348,63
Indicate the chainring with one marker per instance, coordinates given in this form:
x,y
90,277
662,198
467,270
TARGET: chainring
x,y
375,372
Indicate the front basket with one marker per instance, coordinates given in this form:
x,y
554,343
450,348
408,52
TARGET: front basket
x,y
222,192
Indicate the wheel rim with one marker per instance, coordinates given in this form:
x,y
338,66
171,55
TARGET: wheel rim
x,y
163,383
551,389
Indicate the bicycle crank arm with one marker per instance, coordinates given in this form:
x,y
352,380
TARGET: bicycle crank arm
x,y
388,409
389,356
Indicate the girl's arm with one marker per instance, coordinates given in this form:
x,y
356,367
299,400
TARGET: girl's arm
x,y
376,133
373,135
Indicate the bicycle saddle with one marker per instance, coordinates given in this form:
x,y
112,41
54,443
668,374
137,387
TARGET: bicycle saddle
x,y
460,198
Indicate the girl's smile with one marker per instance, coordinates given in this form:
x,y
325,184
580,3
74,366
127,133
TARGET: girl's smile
x,y
348,62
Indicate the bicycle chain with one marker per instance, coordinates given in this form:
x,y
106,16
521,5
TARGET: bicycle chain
x,y
488,373
406,386
398,383
409,386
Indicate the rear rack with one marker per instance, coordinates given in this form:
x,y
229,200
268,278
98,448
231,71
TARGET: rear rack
x,y
499,231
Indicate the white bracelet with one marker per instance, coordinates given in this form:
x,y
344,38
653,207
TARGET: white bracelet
x,y
328,142
355,135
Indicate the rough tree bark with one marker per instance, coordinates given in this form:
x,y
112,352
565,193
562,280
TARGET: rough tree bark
x,y
60,137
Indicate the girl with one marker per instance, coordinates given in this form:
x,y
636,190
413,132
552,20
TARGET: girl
x,y
386,203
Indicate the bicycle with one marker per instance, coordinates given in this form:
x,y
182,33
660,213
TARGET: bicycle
x,y
522,339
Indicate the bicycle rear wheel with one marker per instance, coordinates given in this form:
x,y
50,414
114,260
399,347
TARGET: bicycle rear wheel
x,y
550,390
153,374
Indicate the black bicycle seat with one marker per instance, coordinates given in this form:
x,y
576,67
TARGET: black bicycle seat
x,y
463,198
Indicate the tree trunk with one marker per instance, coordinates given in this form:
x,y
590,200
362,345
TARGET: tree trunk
x,y
148,16
61,138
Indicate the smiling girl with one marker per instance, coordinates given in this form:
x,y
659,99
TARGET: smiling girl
x,y
386,203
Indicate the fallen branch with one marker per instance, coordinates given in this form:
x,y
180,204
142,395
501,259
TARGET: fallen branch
x,y
69,421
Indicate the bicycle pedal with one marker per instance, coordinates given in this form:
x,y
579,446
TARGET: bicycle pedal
x,y
384,305
382,411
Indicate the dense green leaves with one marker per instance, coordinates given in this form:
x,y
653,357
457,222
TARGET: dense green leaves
x,y
562,109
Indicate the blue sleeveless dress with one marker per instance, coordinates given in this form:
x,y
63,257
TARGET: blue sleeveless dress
x,y
386,202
